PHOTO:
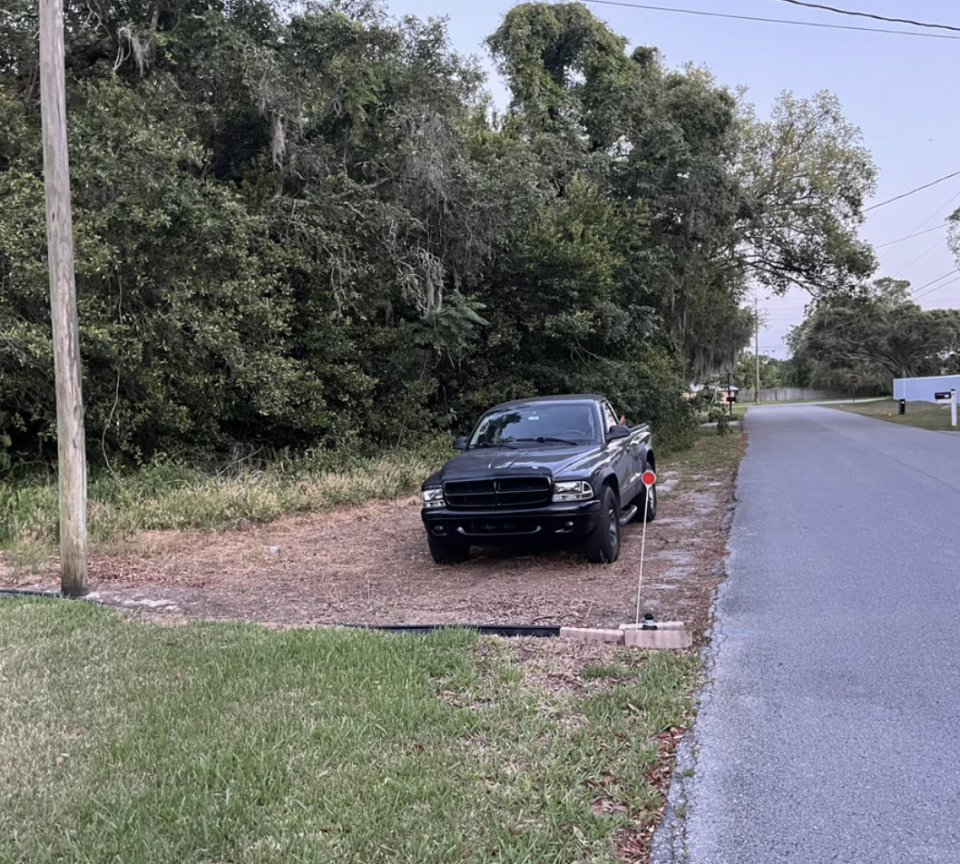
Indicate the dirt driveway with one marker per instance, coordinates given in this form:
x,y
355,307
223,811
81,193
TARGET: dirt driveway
x,y
370,565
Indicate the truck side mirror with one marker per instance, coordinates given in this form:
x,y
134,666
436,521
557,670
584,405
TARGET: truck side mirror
x,y
615,433
460,443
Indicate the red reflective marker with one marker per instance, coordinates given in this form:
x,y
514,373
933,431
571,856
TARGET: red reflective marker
x,y
648,478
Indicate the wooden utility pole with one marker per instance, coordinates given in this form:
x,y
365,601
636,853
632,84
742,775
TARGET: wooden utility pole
x,y
71,445
756,314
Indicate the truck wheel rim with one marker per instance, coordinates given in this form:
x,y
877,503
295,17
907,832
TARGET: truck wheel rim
x,y
612,526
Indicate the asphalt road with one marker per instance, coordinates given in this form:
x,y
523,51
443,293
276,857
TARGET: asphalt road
x,y
831,731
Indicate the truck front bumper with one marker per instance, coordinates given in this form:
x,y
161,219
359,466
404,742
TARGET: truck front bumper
x,y
498,527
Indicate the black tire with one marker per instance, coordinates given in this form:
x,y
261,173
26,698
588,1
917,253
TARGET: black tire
x,y
603,545
445,552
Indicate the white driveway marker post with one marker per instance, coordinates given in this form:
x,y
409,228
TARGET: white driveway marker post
x,y
953,407
649,479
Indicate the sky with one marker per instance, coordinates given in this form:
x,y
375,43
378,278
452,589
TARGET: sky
x,y
894,88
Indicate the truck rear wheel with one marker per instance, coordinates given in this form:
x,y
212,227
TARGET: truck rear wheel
x,y
603,545
445,552
648,498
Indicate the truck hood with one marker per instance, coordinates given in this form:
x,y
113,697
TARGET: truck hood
x,y
555,459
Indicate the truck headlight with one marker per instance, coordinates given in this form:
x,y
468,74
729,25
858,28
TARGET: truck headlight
x,y
572,490
432,498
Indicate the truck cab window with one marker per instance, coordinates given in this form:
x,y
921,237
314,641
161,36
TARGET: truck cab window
x,y
609,418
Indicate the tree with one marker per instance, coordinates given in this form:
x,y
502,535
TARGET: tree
x,y
567,71
876,336
771,372
805,174
890,292
309,229
953,235
683,139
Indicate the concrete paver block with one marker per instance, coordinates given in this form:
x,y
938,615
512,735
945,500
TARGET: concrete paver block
x,y
585,634
658,639
661,625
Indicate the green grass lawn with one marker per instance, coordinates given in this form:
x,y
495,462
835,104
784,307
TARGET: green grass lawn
x,y
124,742
712,452
922,415
741,408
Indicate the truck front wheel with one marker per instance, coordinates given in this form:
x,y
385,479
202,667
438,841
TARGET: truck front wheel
x,y
603,545
445,552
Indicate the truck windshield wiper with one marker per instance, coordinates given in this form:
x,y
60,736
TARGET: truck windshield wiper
x,y
548,440
484,444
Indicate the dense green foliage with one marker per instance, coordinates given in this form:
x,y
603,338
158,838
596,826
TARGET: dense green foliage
x,y
302,230
876,335
772,371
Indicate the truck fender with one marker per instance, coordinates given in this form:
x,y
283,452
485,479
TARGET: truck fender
x,y
608,476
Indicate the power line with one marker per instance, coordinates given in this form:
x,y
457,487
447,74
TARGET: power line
x,y
823,26
934,281
911,236
858,317
918,258
870,15
793,23
920,292
926,288
912,192
926,221
934,290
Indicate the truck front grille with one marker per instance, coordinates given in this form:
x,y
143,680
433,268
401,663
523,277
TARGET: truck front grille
x,y
502,493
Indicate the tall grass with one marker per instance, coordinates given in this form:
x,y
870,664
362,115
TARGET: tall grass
x,y
176,496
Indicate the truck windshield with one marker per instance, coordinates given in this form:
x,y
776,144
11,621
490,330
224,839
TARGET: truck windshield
x,y
537,424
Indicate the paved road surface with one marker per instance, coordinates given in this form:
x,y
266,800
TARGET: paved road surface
x,y
831,732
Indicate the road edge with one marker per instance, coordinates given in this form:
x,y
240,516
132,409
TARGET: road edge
x,y
670,838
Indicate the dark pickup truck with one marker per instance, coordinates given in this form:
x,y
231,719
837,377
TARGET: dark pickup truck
x,y
551,470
